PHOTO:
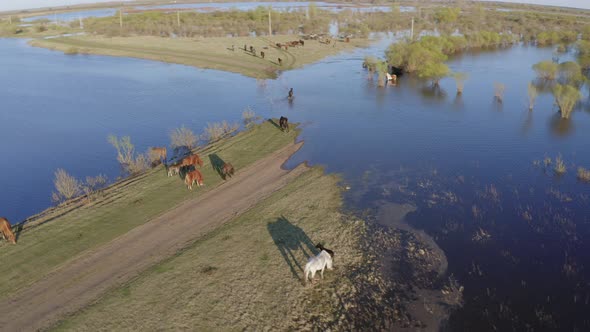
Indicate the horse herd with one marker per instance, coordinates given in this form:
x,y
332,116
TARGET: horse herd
x,y
188,166
285,46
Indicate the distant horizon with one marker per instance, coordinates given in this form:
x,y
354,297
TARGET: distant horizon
x,y
12,5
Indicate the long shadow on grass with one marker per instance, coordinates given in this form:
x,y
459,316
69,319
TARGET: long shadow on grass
x,y
217,164
275,124
289,238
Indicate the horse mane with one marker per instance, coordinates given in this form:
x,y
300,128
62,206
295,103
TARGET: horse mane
x,y
321,247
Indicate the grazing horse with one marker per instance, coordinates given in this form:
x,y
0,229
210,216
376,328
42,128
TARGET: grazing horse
x,y
159,153
6,230
280,62
173,170
290,94
192,177
318,263
279,45
192,160
227,170
284,123
251,49
301,42
245,48
262,54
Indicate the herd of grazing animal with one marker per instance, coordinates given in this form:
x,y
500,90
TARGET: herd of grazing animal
x,y
188,165
285,46
193,176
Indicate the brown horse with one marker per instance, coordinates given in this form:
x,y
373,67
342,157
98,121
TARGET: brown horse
x,y
284,123
6,230
262,54
227,170
280,62
158,153
192,177
192,160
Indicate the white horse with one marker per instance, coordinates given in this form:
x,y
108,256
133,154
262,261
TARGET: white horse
x,y
173,170
317,263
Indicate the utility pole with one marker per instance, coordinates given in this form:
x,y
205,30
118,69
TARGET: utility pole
x,y
412,30
121,17
178,17
269,22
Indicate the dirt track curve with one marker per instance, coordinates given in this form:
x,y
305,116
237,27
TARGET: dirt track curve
x,y
83,279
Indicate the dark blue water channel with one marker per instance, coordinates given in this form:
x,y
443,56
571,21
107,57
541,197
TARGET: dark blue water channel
x,y
469,164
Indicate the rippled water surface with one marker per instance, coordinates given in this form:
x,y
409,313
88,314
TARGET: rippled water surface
x,y
515,234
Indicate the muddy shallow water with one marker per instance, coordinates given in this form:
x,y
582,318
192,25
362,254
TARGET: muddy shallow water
x,y
515,234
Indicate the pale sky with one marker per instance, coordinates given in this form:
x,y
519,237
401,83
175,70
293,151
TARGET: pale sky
x,y
26,4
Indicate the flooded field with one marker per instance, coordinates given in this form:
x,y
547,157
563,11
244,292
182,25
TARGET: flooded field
x,y
477,174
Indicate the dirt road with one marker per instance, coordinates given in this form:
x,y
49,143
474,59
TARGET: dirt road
x,y
82,280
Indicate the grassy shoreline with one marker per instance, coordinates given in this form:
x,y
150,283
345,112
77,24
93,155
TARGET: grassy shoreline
x,y
247,273
66,232
208,53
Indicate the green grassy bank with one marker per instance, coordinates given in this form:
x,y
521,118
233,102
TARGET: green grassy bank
x,y
62,233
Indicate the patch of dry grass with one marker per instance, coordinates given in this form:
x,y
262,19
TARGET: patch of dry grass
x,y
245,275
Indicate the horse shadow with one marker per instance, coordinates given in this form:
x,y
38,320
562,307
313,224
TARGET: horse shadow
x,y
275,124
179,153
17,230
289,238
217,164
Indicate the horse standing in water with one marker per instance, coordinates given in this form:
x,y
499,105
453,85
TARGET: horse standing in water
x,y
291,94
284,123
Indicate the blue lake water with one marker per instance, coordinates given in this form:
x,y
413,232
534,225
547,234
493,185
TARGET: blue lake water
x,y
467,163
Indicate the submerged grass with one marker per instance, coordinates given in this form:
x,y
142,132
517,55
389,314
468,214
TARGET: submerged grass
x,y
246,275
69,230
583,174
560,167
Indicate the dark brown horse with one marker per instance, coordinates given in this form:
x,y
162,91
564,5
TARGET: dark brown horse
x,y
284,123
262,54
227,170
280,62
